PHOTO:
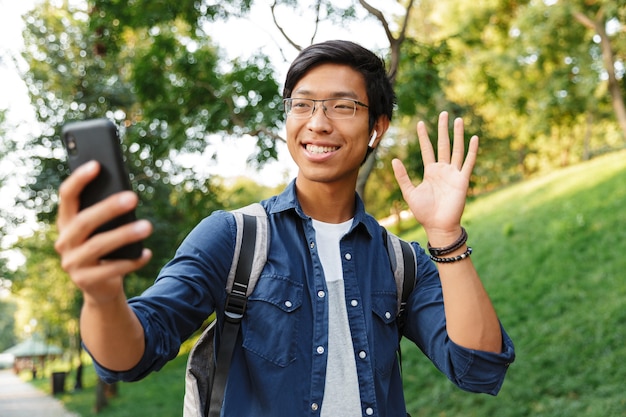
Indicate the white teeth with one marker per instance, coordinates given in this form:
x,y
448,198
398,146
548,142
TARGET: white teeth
x,y
320,149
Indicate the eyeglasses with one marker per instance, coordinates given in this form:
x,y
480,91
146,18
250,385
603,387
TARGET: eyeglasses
x,y
334,108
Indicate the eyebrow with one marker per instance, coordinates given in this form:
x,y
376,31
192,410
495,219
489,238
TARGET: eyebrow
x,y
336,94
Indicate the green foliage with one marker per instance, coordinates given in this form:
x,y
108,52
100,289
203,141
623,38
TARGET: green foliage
x,y
161,81
7,324
162,85
46,293
244,191
533,74
421,80
159,394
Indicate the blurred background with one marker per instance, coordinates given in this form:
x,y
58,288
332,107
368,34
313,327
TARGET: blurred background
x,y
195,88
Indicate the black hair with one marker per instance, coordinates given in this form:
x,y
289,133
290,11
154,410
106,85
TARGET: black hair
x,y
380,94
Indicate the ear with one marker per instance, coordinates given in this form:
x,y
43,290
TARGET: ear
x,y
380,127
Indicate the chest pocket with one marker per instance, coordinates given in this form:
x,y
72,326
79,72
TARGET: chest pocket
x,y
384,309
271,322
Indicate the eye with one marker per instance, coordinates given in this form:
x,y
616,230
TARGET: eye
x,y
300,104
342,106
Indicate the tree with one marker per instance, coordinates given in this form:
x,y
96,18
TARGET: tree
x,y
596,17
47,295
531,77
161,84
7,324
263,127
3,214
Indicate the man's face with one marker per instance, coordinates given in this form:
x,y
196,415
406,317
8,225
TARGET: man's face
x,y
329,150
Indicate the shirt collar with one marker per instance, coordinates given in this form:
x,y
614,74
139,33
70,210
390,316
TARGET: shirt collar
x,y
288,200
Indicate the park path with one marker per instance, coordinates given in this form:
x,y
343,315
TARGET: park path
x,y
21,399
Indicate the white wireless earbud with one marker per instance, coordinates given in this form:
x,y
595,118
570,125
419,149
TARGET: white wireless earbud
x,y
372,139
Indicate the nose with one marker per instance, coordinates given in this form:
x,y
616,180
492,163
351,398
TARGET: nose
x,y
318,120
316,105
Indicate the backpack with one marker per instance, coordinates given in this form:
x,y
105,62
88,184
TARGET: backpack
x,y
205,378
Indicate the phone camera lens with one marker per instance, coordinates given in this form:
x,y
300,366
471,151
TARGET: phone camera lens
x,y
72,149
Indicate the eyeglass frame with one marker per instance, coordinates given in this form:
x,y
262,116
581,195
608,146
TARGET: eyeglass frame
x,y
324,108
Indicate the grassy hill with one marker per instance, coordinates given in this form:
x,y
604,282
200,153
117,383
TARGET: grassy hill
x,y
551,254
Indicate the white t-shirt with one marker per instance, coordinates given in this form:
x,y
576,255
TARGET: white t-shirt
x,y
341,391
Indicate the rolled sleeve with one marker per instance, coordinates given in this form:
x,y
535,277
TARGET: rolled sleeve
x,y
146,365
480,371
185,293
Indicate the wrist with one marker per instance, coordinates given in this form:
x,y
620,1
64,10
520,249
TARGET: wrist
x,y
104,302
446,242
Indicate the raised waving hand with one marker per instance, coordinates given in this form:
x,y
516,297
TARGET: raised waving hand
x,y
439,200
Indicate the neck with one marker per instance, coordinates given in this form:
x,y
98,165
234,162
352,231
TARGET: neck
x,y
327,203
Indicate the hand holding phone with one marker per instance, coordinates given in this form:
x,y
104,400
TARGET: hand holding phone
x,y
98,140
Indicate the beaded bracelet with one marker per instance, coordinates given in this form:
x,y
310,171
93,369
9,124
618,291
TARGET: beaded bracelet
x,y
451,248
460,257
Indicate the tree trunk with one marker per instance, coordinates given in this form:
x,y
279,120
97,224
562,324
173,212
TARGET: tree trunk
x,y
364,173
78,385
104,391
101,398
598,25
395,42
587,137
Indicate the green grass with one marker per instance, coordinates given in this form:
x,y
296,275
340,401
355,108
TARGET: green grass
x,y
159,394
551,253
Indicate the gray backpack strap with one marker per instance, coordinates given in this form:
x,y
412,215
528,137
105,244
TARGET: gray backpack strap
x,y
404,264
205,380
261,245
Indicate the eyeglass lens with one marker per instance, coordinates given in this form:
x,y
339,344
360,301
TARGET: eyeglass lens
x,y
334,108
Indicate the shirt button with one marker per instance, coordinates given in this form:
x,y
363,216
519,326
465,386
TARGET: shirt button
x,y
320,349
362,354
387,315
354,303
369,411
312,245
321,294
288,304
348,256
314,407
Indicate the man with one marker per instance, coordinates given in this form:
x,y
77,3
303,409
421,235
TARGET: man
x,y
319,334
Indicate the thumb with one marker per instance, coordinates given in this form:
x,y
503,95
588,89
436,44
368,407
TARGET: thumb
x,y
402,176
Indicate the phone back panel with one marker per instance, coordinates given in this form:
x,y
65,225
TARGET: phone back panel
x,y
98,140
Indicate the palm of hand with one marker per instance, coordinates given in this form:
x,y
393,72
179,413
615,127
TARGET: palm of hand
x,y
439,200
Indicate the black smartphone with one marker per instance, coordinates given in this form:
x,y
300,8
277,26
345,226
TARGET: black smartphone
x,y
98,139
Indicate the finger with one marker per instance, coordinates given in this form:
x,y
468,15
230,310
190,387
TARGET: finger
x,y
80,226
443,140
458,147
472,154
93,249
70,189
102,272
402,177
104,243
428,154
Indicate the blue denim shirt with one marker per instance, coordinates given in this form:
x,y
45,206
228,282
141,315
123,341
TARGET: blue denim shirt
x,y
279,368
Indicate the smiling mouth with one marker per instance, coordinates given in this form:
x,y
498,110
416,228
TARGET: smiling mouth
x,y
320,149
